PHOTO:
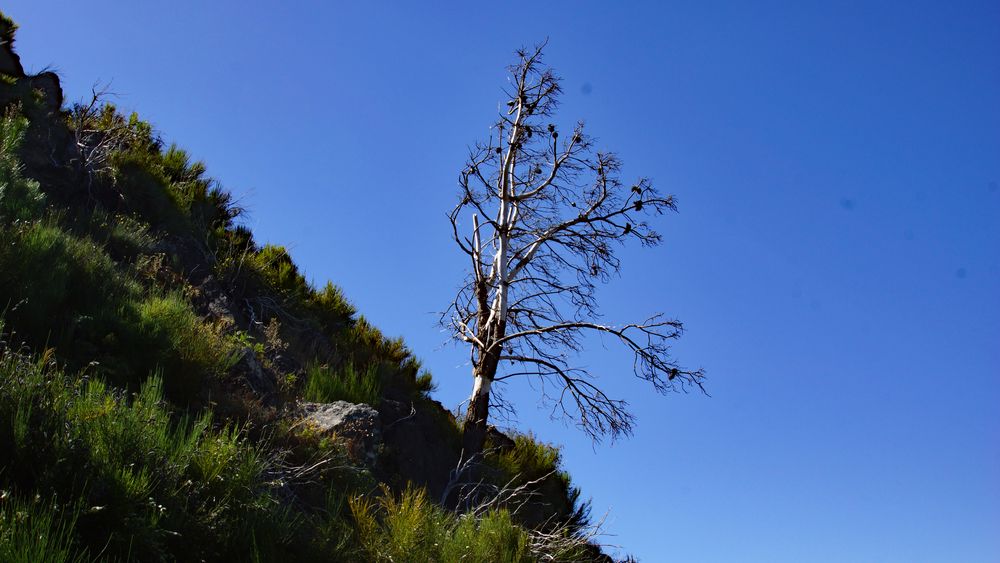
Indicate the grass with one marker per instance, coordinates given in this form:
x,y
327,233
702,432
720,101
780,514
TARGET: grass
x,y
554,500
33,530
142,476
349,384
181,345
408,527
109,454
91,310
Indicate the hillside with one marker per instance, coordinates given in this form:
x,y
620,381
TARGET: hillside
x,y
171,389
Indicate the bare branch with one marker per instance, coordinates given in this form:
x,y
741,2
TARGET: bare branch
x,y
547,215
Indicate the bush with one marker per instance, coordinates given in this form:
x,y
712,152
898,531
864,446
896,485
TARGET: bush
x,y
332,309
207,206
425,384
145,191
59,289
124,237
164,188
279,273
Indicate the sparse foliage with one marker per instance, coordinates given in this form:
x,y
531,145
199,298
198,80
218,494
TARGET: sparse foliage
x,y
541,216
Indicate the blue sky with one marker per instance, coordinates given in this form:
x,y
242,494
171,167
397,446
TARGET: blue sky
x,y
836,257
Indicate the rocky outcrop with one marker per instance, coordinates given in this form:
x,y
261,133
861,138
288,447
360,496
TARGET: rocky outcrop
x,y
48,84
418,448
357,426
10,65
49,146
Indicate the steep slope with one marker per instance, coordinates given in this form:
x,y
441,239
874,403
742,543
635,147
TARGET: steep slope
x,y
172,390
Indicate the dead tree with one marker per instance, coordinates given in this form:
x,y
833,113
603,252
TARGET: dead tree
x,y
540,217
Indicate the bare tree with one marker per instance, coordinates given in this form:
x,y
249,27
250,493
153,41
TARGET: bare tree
x,y
540,218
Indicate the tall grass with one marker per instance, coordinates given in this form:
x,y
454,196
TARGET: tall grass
x,y
65,291
408,527
180,344
151,485
348,384
33,531
550,498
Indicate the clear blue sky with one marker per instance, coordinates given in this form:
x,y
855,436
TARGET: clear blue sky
x,y
836,257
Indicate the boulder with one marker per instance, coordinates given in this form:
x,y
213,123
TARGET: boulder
x,y
422,445
356,425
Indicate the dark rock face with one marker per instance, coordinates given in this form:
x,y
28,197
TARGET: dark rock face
x,y
357,425
499,440
215,303
261,380
417,448
10,64
48,84
49,148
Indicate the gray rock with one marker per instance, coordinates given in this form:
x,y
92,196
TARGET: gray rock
x,y
356,425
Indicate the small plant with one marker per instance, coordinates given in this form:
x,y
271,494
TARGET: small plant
x,y
128,236
242,340
550,498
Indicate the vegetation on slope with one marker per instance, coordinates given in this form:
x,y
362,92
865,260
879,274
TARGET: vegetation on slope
x,y
152,355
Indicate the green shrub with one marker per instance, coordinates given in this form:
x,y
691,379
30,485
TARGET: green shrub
x,y
123,236
59,289
331,308
348,384
529,459
425,384
408,527
280,274
551,499
20,198
153,487
207,206
177,342
145,191
89,310
165,188
491,537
